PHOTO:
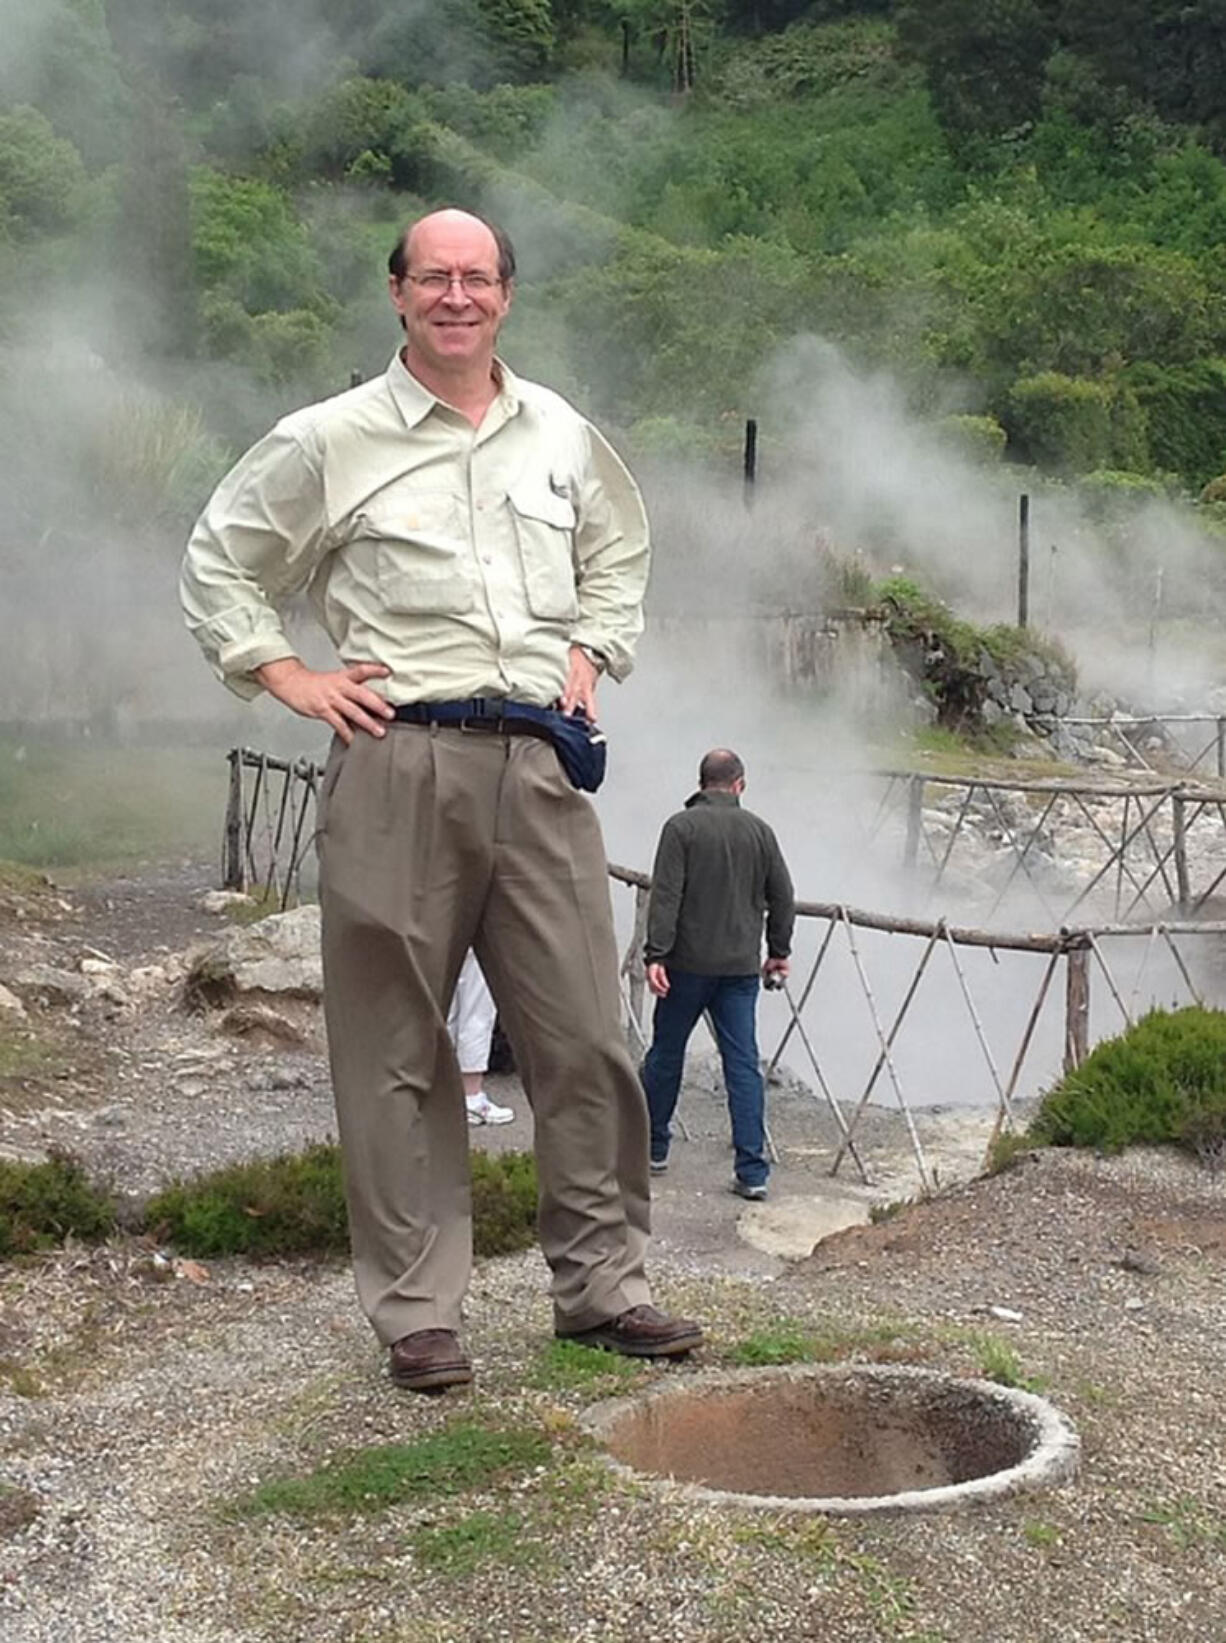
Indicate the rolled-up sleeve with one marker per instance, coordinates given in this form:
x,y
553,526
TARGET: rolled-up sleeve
x,y
258,541
612,557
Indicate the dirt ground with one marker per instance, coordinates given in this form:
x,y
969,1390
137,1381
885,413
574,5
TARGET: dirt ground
x,y
140,1395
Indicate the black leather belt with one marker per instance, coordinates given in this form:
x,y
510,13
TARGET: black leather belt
x,y
482,713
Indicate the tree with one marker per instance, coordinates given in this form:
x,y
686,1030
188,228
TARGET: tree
x,y
57,55
41,175
983,60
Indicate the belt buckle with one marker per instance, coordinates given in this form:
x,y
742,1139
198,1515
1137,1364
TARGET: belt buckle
x,y
490,724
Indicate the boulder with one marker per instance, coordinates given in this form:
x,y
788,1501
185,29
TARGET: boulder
x,y
278,956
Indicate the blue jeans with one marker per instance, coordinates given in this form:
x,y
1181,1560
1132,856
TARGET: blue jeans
x,y
733,1005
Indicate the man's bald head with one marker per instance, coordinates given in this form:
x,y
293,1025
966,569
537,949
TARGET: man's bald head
x,y
720,768
451,218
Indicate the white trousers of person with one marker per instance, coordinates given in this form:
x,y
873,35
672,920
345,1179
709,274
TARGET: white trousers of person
x,y
470,1021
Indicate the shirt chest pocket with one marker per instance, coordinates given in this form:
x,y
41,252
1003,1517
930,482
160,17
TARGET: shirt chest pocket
x,y
416,544
544,525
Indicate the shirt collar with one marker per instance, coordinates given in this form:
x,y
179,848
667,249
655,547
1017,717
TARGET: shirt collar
x,y
711,795
415,401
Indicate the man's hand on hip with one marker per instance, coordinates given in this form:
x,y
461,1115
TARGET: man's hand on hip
x,y
340,699
580,687
657,980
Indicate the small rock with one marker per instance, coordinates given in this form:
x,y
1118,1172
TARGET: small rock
x,y
1006,1314
10,1004
220,901
1136,1260
1134,1303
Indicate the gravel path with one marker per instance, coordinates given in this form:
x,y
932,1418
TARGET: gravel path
x,y
140,1397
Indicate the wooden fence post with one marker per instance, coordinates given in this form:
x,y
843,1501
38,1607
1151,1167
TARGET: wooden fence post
x,y
1077,1007
915,820
232,875
1179,827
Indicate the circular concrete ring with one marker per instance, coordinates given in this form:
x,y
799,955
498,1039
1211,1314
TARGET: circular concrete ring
x,y
768,1438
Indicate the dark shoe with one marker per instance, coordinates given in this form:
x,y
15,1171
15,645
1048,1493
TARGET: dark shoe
x,y
744,1190
428,1359
658,1166
643,1332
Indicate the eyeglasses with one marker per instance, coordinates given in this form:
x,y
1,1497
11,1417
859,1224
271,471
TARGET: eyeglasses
x,y
434,282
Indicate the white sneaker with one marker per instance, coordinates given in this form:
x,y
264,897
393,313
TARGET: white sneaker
x,y
481,1110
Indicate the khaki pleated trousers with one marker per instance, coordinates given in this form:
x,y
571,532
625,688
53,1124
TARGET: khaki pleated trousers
x,y
433,840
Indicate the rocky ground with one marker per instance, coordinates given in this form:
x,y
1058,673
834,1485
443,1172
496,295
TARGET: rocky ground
x,y
142,1396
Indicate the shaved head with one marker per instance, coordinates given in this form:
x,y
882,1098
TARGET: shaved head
x,y
720,768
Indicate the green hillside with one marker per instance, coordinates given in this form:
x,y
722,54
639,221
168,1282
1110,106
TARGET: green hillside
x,y
1019,210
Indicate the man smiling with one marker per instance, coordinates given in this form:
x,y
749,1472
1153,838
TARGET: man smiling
x,y
477,554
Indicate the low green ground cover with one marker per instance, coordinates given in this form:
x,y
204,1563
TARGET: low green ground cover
x,y
293,1204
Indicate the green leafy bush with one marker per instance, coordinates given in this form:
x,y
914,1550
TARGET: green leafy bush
x,y
294,1204
978,438
290,1205
1162,1081
1077,423
504,1202
42,1204
42,177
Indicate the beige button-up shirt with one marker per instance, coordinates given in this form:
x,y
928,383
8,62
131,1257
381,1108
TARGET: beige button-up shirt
x,y
464,559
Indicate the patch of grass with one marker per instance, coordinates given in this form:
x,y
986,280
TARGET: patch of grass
x,y
25,1053
1007,1151
258,903
463,1456
1041,1535
1163,1081
773,1346
1187,1522
564,1366
788,1342
877,1213
1000,1363
294,1204
22,1381
42,1204
90,805
480,1538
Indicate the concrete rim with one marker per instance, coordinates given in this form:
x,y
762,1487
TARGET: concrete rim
x,y
1054,1455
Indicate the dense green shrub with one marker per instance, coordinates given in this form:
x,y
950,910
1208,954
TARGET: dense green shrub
x,y
504,1202
1185,414
42,178
1164,1080
979,438
1077,423
295,1205
42,1204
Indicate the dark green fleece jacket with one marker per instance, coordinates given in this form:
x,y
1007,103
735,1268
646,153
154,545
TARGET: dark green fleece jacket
x,y
718,872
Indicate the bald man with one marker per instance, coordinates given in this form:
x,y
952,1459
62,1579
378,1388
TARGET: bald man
x,y
477,553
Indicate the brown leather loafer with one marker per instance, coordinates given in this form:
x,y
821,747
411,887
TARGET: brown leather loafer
x,y
643,1332
429,1359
